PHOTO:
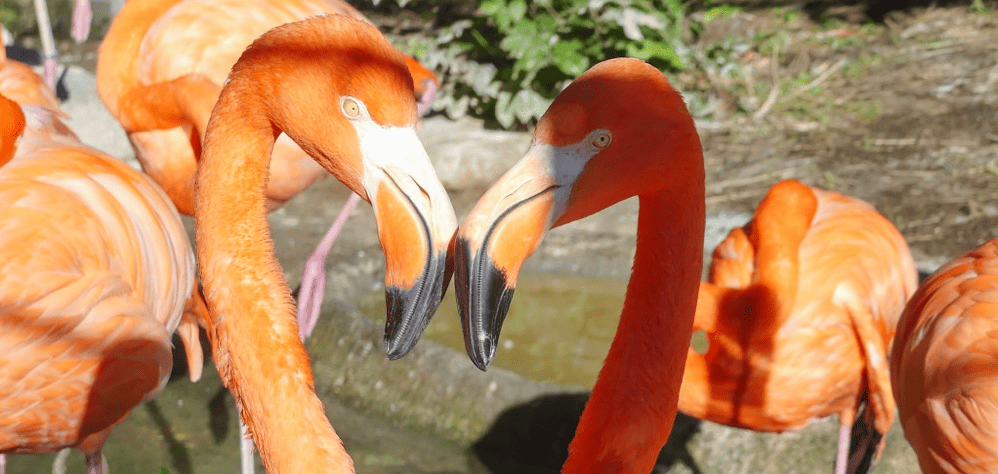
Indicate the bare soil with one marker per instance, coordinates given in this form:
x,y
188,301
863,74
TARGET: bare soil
x,y
908,122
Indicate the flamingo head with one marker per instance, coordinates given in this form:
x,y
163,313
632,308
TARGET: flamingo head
x,y
344,94
605,138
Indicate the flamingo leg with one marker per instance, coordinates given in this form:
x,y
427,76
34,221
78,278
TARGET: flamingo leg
x,y
313,281
842,454
426,101
48,41
247,461
96,463
59,464
82,17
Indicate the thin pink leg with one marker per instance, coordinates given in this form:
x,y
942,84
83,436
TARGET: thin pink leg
x,y
96,464
313,282
48,41
842,455
426,101
82,17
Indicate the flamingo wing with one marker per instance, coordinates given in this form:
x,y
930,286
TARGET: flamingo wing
x,y
943,366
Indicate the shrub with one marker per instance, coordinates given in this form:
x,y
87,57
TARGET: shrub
x,y
511,61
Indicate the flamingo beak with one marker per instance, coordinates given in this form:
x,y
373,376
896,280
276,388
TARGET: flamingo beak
x,y
502,230
416,223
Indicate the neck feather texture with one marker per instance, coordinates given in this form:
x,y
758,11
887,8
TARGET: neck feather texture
x,y
253,330
633,405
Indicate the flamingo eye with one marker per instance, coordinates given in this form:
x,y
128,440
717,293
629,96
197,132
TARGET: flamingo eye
x,y
351,108
601,139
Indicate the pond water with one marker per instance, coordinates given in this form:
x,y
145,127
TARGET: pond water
x,y
558,329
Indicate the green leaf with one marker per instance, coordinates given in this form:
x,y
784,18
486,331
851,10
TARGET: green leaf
x,y
490,7
520,40
722,11
504,115
517,8
568,59
481,78
651,50
528,105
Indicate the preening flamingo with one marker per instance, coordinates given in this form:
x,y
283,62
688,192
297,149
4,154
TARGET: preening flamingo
x,y
159,72
338,88
944,366
799,312
618,131
96,273
19,83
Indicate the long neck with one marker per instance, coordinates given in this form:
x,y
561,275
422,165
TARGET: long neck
x,y
633,404
252,317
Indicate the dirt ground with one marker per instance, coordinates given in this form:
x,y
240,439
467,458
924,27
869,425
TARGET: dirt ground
x,y
908,122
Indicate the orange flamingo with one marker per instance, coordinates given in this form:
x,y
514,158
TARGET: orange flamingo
x,y
619,130
341,91
943,366
799,313
96,273
19,83
159,71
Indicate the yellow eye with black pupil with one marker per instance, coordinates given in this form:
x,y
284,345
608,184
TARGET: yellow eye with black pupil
x,y
351,108
601,140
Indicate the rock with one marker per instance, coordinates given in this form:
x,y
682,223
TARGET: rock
x,y
467,156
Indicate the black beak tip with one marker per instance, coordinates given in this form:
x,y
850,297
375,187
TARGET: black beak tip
x,y
481,354
483,300
410,309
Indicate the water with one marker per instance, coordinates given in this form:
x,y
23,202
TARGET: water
x,y
558,329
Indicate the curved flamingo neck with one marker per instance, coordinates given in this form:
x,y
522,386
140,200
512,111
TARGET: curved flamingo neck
x,y
186,100
253,329
781,222
632,407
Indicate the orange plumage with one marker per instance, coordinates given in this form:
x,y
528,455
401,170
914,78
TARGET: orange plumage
x,y
160,69
96,273
617,131
799,312
944,366
349,103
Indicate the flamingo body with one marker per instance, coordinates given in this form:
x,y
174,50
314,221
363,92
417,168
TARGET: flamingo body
x,y
96,273
167,51
799,312
943,366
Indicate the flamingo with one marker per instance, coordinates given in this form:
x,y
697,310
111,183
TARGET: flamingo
x,y
159,71
943,366
799,312
96,273
338,88
617,131
19,83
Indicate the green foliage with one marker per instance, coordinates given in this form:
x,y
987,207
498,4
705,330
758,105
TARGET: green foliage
x,y
510,62
8,15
